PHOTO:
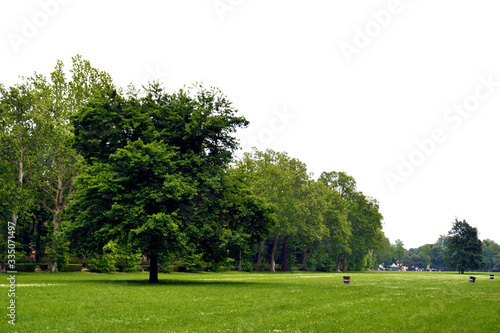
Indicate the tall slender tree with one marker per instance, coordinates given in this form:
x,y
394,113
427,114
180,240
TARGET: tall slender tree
x,y
282,180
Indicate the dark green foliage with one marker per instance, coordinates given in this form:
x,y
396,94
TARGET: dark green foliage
x,y
464,249
496,264
102,265
126,265
437,257
44,267
25,267
71,268
490,251
155,176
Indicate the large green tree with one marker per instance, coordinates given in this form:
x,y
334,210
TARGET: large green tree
x,y
21,131
366,225
464,249
340,186
35,140
63,97
154,179
284,182
363,218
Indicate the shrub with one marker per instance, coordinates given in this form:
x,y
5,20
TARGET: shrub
x,y
246,266
71,268
103,264
106,262
43,260
24,260
85,262
74,260
165,267
127,264
144,267
44,267
25,267
60,251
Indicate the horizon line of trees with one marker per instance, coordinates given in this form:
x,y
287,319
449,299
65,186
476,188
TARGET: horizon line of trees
x,y
90,170
459,250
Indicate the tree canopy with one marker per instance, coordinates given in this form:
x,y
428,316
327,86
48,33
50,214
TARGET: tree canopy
x,y
464,249
156,175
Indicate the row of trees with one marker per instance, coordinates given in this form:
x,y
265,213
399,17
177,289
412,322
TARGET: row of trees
x,y
37,163
459,250
85,165
88,169
324,224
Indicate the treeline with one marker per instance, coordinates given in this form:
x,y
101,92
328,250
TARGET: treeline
x,y
89,170
324,224
108,178
433,256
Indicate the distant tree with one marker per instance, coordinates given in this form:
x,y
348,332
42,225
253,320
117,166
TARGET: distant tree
x,y
437,256
496,264
366,224
363,219
425,251
442,241
464,249
384,253
490,251
338,240
416,260
399,250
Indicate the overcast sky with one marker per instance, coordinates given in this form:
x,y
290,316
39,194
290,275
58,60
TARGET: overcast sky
x,y
402,95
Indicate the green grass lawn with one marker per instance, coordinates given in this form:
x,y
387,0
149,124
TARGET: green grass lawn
x,y
254,302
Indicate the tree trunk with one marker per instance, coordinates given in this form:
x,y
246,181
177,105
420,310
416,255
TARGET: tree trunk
x,y
239,264
54,263
284,260
344,264
53,266
20,175
304,258
14,219
259,256
38,244
273,253
337,269
153,268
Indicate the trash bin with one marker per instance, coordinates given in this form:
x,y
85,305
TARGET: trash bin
x,y
491,276
347,279
472,279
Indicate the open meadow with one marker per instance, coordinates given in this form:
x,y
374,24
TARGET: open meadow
x,y
254,302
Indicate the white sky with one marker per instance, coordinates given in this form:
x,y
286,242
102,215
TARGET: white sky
x,y
341,85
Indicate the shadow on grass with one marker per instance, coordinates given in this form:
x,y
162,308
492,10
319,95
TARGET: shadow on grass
x,y
109,279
